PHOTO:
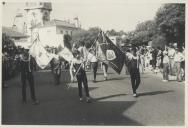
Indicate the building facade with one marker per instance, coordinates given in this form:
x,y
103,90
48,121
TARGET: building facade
x,y
35,18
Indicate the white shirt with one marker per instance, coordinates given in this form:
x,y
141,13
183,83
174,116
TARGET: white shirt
x,y
171,52
178,57
165,59
91,57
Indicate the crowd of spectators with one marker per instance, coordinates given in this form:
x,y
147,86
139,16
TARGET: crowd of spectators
x,y
168,61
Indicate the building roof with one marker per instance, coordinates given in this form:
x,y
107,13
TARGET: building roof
x,y
56,22
12,33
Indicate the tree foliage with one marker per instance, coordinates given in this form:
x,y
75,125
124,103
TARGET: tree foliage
x,y
7,44
170,20
85,37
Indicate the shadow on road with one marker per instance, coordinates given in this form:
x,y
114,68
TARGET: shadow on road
x,y
154,93
112,79
59,106
106,97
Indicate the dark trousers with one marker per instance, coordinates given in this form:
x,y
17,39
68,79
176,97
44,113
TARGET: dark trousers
x,y
154,62
95,66
81,78
27,76
57,75
135,79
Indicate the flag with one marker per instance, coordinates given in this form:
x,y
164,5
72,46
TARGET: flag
x,y
65,53
113,54
41,56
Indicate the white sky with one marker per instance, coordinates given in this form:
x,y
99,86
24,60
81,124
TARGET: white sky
x,y
111,14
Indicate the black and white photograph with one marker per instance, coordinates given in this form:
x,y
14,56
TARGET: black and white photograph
x,y
93,63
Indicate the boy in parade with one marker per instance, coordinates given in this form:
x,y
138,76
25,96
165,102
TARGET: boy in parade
x,y
134,71
27,66
78,65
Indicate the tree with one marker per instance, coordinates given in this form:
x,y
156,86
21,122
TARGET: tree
x,y
85,37
143,33
170,20
8,44
159,41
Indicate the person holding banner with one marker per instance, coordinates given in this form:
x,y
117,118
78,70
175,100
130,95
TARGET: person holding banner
x,y
78,65
56,66
134,71
27,66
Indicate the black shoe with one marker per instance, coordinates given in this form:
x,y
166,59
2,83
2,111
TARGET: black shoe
x,y
36,102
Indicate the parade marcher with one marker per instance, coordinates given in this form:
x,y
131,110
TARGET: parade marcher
x,y
78,65
94,62
134,71
165,66
27,66
56,66
178,58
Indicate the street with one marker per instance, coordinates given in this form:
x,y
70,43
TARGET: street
x,y
158,103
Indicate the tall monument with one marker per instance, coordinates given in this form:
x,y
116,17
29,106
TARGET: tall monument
x,y
37,13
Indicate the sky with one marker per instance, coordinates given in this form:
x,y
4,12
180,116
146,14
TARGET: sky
x,y
106,14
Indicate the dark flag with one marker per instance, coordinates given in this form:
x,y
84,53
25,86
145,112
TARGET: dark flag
x,y
113,54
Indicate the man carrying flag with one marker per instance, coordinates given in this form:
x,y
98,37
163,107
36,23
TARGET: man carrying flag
x,y
26,67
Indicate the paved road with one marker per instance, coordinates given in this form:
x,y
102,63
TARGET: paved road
x,y
158,103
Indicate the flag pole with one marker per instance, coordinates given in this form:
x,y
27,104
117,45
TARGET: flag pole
x,y
95,39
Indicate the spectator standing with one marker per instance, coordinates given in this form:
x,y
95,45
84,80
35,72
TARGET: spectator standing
x,y
183,64
178,58
165,66
154,53
171,53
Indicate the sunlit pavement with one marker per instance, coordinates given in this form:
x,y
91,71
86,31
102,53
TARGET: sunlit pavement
x,y
158,102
